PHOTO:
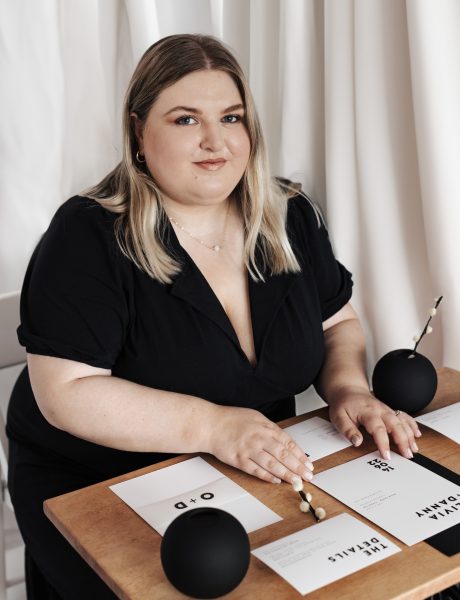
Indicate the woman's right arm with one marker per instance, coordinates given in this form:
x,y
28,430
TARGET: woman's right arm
x,y
89,403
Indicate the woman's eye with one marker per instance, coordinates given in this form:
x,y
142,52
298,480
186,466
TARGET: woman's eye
x,y
186,120
232,118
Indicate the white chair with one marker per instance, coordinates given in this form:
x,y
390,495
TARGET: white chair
x,y
12,356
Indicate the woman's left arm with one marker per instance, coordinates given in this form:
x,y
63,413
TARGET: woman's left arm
x,y
343,385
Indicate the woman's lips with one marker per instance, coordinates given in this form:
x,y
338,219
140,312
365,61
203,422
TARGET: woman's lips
x,y
211,165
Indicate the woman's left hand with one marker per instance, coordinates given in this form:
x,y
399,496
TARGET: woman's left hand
x,y
358,407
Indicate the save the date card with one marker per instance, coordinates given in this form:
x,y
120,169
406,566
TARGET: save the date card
x,y
407,500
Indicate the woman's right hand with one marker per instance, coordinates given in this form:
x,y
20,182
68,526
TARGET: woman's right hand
x,y
244,438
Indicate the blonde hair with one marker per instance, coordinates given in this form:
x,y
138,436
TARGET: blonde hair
x,y
131,191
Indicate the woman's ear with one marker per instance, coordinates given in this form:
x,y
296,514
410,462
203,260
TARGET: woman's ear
x,y
138,130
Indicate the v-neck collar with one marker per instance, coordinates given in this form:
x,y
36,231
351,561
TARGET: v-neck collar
x,y
265,298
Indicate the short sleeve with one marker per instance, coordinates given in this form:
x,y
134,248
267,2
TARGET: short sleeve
x,y
74,302
312,245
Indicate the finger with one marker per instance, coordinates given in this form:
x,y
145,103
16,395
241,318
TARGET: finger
x,y
409,445
377,429
343,423
296,450
399,433
282,437
249,466
279,461
410,435
412,424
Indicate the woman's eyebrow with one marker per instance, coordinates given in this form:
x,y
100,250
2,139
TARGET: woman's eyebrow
x,y
233,108
197,111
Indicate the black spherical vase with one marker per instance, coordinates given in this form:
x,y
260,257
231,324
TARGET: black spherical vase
x,y
205,552
405,380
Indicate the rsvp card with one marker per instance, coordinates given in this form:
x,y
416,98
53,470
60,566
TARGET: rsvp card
x,y
407,500
163,495
445,420
317,437
323,553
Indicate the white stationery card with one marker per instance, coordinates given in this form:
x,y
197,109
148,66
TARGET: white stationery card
x,y
323,553
407,500
445,420
317,437
163,495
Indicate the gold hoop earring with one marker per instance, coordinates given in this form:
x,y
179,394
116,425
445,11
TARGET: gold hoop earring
x,y
140,157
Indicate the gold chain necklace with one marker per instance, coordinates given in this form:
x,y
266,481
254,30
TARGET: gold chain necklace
x,y
214,247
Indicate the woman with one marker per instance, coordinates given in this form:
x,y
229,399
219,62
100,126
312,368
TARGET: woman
x,y
178,306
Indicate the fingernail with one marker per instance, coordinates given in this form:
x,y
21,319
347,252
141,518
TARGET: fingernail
x,y
414,447
418,433
309,465
276,480
296,479
386,455
355,440
308,475
408,453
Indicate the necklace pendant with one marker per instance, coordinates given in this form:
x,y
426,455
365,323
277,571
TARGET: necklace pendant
x,y
216,248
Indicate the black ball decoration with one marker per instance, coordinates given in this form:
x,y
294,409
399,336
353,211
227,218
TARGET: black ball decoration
x,y
405,380
205,552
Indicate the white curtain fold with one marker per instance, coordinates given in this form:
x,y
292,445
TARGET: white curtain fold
x,y
358,98
434,42
301,87
373,195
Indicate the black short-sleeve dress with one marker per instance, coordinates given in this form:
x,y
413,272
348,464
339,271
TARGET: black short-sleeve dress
x,y
83,300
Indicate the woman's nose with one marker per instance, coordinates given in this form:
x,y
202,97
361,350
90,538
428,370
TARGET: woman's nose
x,y
212,137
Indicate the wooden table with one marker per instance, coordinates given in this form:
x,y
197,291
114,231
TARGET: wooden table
x,y
125,551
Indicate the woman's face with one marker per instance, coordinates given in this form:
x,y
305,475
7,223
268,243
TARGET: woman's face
x,y
194,139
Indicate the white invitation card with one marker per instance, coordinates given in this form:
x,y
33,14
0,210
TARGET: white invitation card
x,y
444,420
317,437
407,500
163,495
326,552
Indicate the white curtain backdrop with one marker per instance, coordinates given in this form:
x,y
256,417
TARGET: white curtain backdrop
x,y
359,100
